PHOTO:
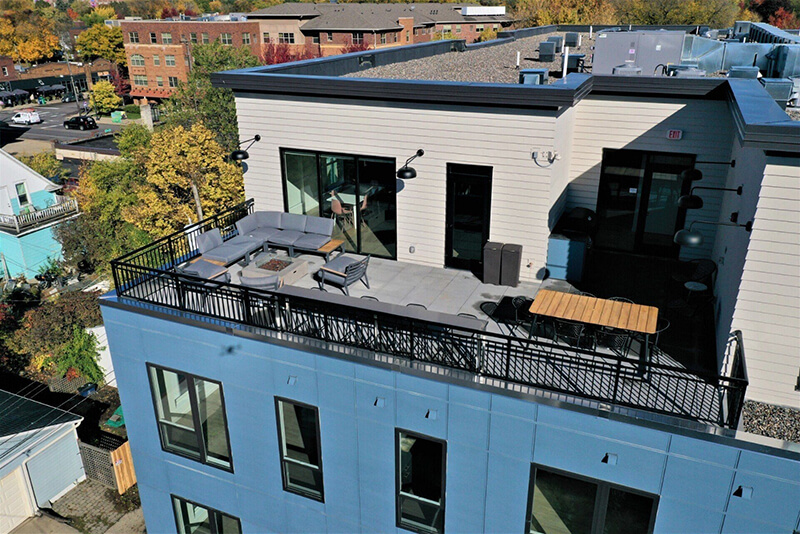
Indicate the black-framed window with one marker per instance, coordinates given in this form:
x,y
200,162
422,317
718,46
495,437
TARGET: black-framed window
x,y
358,192
190,411
420,464
561,502
193,518
300,449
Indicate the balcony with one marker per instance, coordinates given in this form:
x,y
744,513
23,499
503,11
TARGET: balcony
x,y
19,224
147,278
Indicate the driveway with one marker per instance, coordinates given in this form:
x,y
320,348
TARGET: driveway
x,y
52,126
43,525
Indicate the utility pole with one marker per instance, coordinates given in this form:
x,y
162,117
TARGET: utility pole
x,y
5,266
64,46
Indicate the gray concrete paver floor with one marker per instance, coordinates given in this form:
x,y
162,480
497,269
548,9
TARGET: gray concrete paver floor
x,y
89,507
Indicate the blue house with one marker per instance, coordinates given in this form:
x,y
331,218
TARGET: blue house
x,y
30,207
39,457
432,400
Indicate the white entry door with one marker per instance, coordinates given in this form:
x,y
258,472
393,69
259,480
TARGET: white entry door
x,y
5,201
15,507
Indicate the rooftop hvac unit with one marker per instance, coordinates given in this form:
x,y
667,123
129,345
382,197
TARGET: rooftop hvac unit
x,y
547,51
576,63
741,27
690,73
559,41
780,89
572,39
533,76
673,69
626,70
741,71
786,61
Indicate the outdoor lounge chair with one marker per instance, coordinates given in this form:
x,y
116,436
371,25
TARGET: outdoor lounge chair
x,y
214,249
344,271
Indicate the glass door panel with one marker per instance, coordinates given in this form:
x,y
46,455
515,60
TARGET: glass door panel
x,y
338,179
618,200
376,210
666,186
469,189
302,186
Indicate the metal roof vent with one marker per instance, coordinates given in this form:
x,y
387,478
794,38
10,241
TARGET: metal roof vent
x,y
533,76
547,51
780,89
693,72
559,41
572,39
742,71
674,68
626,70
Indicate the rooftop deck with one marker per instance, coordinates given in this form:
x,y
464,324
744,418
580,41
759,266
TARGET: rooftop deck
x,y
551,369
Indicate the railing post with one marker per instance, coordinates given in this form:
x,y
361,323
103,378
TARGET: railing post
x,y
246,302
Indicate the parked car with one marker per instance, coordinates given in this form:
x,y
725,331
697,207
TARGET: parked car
x,y
70,97
26,116
80,123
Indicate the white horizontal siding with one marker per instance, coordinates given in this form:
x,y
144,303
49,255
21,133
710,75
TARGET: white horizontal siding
x,y
449,134
642,124
768,304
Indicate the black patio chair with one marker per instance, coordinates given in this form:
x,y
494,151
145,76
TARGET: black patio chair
x,y
617,341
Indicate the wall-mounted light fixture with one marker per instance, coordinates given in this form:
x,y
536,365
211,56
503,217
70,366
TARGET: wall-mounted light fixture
x,y
693,238
407,173
242,154
693,202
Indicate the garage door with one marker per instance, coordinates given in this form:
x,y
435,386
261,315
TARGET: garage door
x,y
14,505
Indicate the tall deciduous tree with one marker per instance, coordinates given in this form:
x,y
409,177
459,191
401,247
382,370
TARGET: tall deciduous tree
x,y
102,41
99,15
25,34
197,101
104,97
183,164
715,13
543,12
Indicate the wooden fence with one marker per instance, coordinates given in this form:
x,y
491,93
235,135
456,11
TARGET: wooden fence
x,y
111,467
123,467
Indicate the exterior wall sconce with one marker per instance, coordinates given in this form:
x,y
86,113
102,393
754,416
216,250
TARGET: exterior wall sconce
x,y
693,202
693,238
241,155
407,173
609,458
692,175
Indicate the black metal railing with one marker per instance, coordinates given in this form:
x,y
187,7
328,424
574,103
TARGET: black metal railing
x,y
736,370
147,275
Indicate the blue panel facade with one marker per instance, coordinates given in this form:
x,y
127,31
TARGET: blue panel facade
x,y
492,439
25,254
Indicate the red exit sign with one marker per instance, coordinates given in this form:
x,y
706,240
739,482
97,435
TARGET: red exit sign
x,y
674,134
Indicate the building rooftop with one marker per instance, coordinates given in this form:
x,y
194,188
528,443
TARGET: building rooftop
x,y
484,64
28,415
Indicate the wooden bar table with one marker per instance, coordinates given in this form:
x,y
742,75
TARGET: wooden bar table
x,y
601,312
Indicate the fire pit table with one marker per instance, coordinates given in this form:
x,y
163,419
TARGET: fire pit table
x,y
268,264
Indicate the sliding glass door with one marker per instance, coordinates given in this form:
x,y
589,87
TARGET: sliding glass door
x,y
358,192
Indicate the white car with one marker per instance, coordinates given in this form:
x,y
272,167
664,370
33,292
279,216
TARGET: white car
x,y
26,116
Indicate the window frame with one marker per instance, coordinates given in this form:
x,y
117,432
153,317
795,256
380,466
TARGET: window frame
x,y
193,37
159,81
330,36
166,37
137,60
27,195
195,417
138,78
398,481
169,60
286,38
601,497
281,444
246,38
226,38
211,511
204,38
171,83
265,37
357,38
156,60
133,37
153,38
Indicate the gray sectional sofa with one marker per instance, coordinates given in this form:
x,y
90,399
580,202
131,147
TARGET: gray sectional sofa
x,y
288,230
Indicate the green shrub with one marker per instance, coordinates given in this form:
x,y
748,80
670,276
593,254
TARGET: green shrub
x,y
131,108
79,353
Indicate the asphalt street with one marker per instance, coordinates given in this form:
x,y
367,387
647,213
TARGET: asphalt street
x,y
52,126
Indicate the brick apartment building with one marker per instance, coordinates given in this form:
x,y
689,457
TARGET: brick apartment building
x,y
7,71
159,52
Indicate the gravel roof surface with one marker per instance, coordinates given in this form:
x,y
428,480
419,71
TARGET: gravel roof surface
x,y
493,64
772,421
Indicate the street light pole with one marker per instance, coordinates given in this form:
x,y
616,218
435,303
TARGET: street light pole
x,y
71,78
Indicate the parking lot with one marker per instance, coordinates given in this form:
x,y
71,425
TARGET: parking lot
x,y
52,126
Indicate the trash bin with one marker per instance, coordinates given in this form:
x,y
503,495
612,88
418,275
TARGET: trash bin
x,y
566,256
87,389
492,255
116,116
510,266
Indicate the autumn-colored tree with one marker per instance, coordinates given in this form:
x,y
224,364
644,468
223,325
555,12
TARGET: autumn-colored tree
x,y
99,15
104,97
352,47
784,19
715,13
46,164
184,165
196,100
25,34
487,35
543,12
102,41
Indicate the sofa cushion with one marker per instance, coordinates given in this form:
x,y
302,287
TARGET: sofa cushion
x,y
208,240
246,225
320,225
269,219
231,252
293,221
263,233
311,241
285,237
